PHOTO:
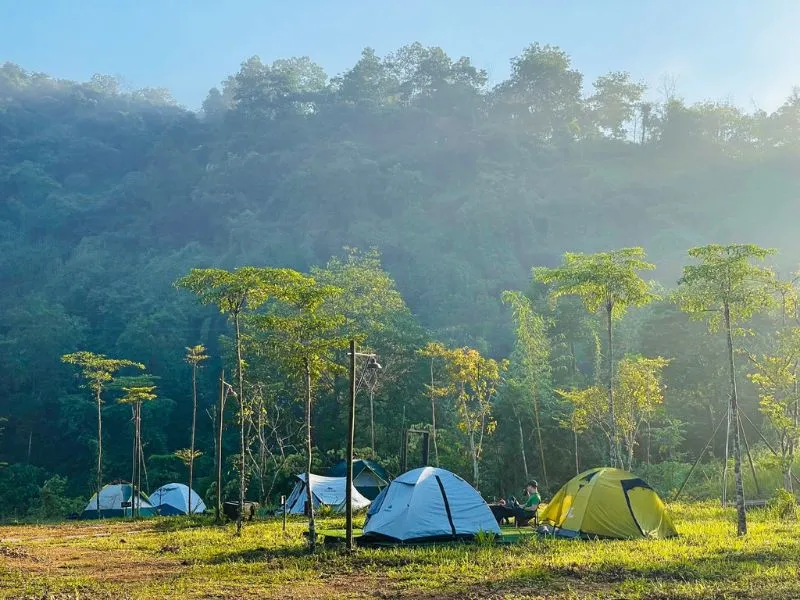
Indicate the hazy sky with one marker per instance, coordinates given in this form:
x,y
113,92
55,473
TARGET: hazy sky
x,y
746,51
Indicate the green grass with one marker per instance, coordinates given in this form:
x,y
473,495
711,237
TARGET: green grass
x,y
193,558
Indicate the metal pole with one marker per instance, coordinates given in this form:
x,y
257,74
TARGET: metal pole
x,y
351,430
283,504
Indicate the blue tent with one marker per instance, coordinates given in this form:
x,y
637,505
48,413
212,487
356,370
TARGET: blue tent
x,y
369,478
173,499
428,504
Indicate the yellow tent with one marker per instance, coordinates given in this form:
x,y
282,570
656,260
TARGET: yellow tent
x,y
608,503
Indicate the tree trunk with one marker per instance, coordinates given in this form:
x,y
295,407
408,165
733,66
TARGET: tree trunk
x,y
577,463
312,532
433,419
539,438
134,451
140,458
218,508
99,449
194,425
616,455
475,473
741,523
522,449
242,458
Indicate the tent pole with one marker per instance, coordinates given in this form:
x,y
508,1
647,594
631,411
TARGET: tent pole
x,y
749,457
702,452
763,439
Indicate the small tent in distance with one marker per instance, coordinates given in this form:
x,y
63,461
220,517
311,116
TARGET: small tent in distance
x,y
608,503
325,491
428,504
369,478
117,500
173,499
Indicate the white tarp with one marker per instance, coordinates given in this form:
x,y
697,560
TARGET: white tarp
x,y
429,503
325,491
173,499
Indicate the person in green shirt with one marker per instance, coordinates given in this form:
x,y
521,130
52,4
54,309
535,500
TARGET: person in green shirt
x,y
523,513
534,499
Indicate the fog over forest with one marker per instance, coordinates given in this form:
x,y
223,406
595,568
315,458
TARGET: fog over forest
x,y
424,193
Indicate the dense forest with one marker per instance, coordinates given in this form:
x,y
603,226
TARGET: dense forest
x,y
426,197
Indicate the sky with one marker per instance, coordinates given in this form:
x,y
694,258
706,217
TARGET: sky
x,y
743,51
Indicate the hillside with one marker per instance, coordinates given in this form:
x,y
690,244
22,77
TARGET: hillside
x,y
107,197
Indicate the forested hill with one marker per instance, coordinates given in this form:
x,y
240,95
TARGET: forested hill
x,y
108,196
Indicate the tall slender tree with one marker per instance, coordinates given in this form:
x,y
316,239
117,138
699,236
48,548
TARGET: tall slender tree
x,y
530,362
98,371
302,335
135,397
725,288
194,356
472,381
607,281
233,292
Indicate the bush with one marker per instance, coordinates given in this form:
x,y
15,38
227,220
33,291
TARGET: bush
x,y
783,505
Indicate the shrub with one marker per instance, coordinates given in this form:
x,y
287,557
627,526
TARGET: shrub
x,y
783,505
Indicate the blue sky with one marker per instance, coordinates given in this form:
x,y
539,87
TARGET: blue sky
x,y
745,51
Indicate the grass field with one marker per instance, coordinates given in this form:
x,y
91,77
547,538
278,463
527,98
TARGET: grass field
x,y
179,558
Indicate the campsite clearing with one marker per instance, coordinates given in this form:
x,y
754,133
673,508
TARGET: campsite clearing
x,y
191,558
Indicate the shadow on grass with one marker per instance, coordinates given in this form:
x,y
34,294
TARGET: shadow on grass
x,y
262,554
181,523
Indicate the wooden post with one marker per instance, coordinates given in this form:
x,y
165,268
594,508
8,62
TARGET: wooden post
x,y
351,420
218,509
425,448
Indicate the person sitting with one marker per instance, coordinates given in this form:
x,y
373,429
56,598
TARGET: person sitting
x,y
522,513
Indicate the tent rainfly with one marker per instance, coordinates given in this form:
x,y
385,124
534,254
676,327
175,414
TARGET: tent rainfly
x,y
428,504
369,478
325,491
608,503
173,499
117,500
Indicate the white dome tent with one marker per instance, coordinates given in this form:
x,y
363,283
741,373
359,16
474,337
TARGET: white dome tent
x,y
428,504
325,491
116,500
173,499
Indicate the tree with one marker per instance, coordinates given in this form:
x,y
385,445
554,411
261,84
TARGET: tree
x,y
726,288
640,391
134,397
577,420
302,336
614,102
531,363
775,377
432,351
98,370
472,381
543,91
194,356
609,281
3,421
233,292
